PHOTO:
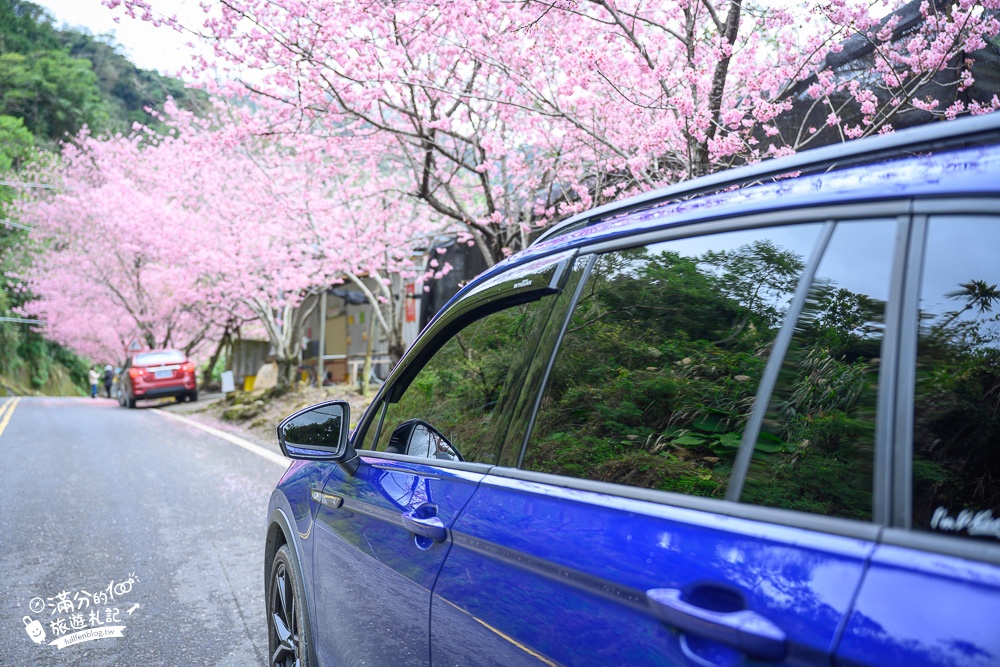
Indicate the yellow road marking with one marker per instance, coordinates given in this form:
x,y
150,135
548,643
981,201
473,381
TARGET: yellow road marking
x,y
9,407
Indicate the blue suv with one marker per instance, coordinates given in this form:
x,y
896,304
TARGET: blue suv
x,y
750,419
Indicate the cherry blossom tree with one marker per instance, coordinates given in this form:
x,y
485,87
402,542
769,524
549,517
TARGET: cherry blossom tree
x,y
183,237
350,133
116,251
504,117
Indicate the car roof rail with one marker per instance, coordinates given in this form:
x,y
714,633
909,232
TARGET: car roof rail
x,y
952,134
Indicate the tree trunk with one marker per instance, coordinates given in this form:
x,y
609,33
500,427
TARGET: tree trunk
x,y
366,371
207,377
286,371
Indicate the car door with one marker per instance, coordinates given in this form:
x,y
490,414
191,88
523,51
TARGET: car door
x,y
692,373
931,595
382,533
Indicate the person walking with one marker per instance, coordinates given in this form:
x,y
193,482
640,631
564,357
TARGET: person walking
x,y
93,381
109,378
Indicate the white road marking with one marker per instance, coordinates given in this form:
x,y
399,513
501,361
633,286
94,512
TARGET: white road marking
x,y
229,437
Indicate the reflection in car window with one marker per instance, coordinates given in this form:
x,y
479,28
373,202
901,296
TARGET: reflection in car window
x,y
657,372
956,429
464,387
162,357
815,452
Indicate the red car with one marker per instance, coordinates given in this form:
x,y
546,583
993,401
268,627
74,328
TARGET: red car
x,y
157,374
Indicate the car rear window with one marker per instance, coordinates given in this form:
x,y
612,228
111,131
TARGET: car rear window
x,y
162,357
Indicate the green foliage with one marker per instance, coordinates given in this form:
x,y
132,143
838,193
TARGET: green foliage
x,y
658,372
24,27
59,80
827,472
127,90
54,93
16,144
33,351
214,374
756,276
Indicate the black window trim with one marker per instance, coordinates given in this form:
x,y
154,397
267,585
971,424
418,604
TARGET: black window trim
x,y
768,381
540,393
905,354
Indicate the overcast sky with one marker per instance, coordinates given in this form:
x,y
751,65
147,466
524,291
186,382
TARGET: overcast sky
x,y
161,49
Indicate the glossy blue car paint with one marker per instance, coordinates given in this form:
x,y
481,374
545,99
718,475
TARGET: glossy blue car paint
x,y
534,570
565,574
918,608
292,499
374,577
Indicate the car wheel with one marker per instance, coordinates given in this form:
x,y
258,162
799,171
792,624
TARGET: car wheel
x,y
193,396
287,627
131,403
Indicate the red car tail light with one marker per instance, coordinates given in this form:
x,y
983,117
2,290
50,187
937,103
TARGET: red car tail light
x,y
136,372
187,367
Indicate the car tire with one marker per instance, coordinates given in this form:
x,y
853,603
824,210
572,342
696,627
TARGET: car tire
x,y
287,625
193,396
131,403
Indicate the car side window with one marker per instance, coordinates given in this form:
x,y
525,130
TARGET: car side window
x,y
368,441
657,372
956,420
816,448
457,406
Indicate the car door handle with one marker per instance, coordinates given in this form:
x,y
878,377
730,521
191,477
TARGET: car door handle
x,y
430,527
745,630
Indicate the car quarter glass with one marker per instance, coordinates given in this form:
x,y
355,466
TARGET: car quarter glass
x,y
466,389
956,428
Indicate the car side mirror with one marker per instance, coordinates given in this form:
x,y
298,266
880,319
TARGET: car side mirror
x,y
319,433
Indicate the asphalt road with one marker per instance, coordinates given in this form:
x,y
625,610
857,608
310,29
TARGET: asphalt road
x,y
127,522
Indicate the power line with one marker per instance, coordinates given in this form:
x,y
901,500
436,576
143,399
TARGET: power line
x,y
16,224
21,320
22,184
